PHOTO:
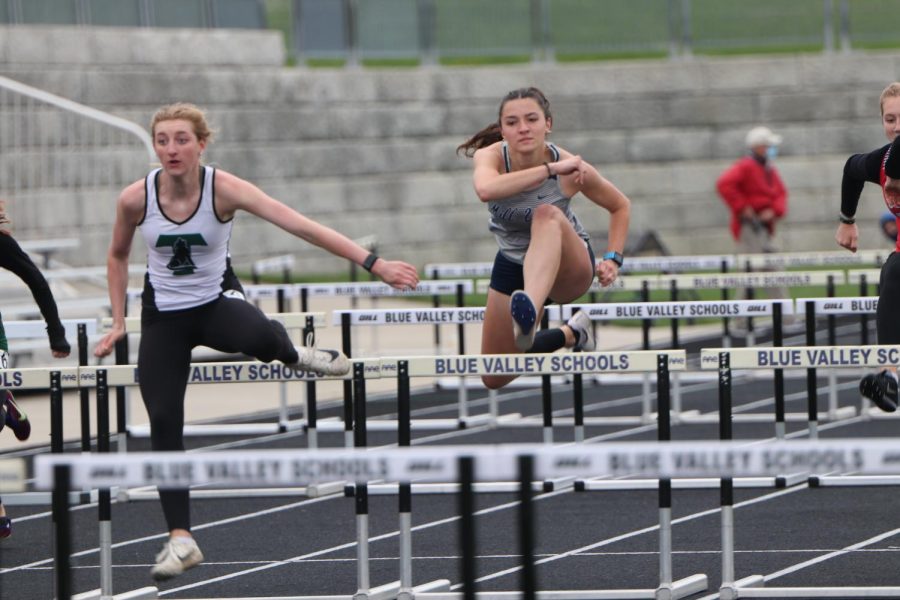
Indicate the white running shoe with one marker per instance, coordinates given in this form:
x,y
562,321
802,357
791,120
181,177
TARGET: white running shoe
x,y
581,323
327,362
177,556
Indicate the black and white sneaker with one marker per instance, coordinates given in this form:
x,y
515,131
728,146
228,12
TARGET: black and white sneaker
x,y
326,362
881,389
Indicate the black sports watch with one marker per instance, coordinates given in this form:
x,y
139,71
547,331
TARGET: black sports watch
x,y
616,257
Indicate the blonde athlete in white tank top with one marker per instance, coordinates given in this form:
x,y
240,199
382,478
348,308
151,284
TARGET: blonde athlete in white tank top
x,y
185,219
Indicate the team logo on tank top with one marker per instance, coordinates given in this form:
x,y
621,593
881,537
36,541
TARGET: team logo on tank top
x,y
181,262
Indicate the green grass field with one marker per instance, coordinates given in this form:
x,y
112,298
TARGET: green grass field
x,y
476,32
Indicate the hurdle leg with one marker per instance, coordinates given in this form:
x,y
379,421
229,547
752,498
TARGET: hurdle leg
x,y
676,398
646,410
462,400
832,396
362,542
404,440
493,405
282,407
63,541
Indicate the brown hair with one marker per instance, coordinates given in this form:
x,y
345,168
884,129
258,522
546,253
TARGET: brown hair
x,y
491,133
891,91
188,112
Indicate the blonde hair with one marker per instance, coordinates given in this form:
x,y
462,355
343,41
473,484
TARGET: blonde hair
x,y
891,91
187,112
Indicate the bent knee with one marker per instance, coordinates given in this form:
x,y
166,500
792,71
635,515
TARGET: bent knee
x,y
493,382
547,212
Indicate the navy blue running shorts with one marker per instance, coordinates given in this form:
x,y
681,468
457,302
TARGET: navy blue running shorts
x,y
507,276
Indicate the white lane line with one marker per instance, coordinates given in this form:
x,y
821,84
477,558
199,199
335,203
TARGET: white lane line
x,y
353,544
645,530
833,554
617,434
229,520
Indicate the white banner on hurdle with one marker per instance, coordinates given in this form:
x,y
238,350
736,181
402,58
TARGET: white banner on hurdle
x,y
758,280
668,310
542,364
861,305
471,270
425,288
872,275
12,475
211,372
628,283
38,328
295,320
261,291
418,316
634,264
811,259
263,468
803,357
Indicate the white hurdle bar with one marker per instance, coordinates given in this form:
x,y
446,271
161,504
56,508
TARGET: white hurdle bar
x,y
291,321
430,316
673,310
809,357
354,290
702,262
442,464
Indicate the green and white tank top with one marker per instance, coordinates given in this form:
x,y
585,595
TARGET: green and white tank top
x,y
186,261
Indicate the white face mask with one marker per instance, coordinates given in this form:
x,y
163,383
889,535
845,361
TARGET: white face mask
x,y
772,152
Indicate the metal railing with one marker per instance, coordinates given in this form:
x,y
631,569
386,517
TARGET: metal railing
x,y
62,163
136,13
433,31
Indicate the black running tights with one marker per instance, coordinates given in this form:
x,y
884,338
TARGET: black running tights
x,y
164,357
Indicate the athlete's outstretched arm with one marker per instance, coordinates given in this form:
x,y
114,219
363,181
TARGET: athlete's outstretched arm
x,y
234,193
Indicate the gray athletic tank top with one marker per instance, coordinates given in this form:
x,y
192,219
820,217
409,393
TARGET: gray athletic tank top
x,y
510,220
186,261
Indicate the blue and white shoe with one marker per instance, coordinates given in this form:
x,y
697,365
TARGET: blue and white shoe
x,y
524,317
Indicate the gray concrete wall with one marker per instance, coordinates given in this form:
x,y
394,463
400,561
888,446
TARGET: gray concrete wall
x,y
373,151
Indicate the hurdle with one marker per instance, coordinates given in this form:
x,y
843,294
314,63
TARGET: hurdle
x,y
832,307
649,459
676,311
520,364
302,320
126,375
809,357
459,316
263,468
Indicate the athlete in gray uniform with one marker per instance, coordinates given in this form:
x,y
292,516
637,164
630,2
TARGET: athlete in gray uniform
x,y
545,253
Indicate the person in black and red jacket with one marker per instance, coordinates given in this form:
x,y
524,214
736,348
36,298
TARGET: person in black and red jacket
x,y
14,259
881,166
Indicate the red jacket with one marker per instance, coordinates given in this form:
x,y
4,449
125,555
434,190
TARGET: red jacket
x,y
749,183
